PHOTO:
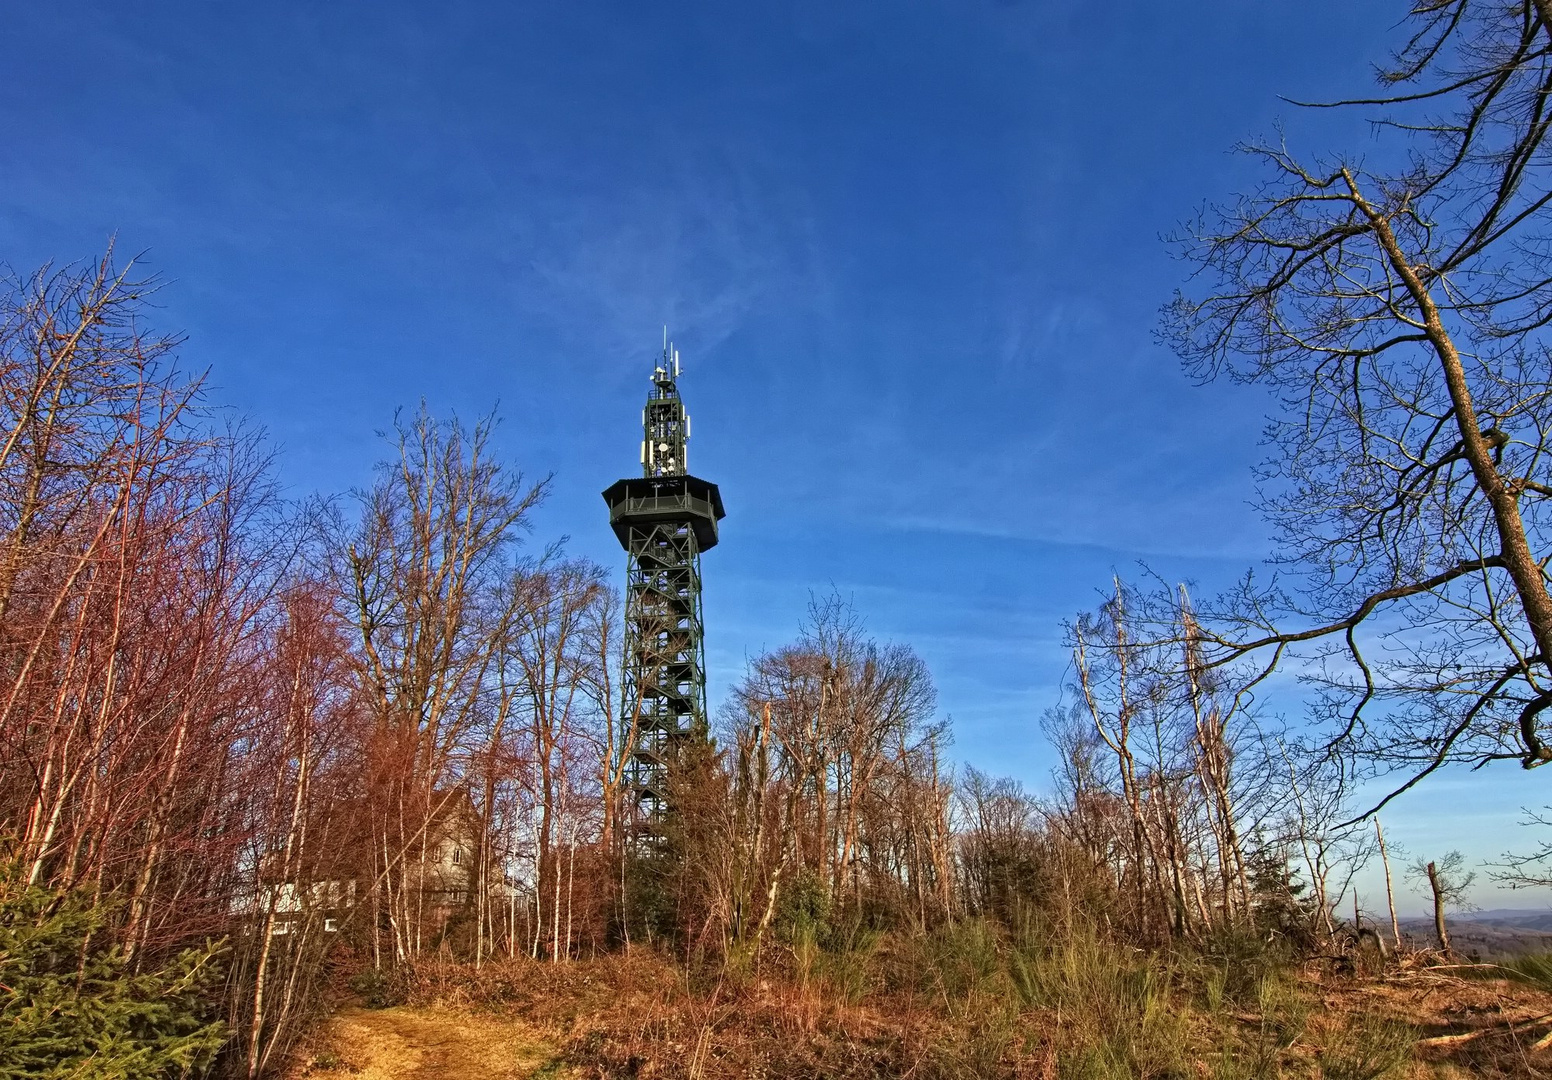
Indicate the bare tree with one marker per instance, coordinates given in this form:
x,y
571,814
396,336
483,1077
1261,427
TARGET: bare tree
x,y
1396,305
139,550
837,777
300,774
1001,846
1318,824
176,700
423,578
1163,767
1449,884
552,658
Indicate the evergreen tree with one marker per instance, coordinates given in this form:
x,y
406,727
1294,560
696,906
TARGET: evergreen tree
x,y
1279,905
72,1006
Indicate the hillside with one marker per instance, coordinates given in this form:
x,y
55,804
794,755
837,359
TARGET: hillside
x,y
1082,1012
1488,935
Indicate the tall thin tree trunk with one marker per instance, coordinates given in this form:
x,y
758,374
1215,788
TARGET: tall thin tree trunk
x,y
1390,896
555,921
571,879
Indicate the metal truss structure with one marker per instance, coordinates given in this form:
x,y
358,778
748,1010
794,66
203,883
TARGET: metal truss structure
x,y
664,519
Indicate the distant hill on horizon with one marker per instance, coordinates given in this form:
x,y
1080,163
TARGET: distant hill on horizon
x,y
1495,933
1533,917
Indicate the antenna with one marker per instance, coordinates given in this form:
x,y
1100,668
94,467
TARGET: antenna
x,y
676,363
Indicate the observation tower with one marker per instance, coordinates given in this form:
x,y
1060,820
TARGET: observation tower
x,y
664,519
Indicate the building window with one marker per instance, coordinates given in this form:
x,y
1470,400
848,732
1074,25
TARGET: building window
x,y
457,856
330,926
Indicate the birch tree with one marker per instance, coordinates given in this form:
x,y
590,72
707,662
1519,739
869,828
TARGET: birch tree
x,y
423,577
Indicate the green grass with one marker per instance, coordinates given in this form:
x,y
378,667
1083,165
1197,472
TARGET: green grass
x,y
1367,1048
1534,970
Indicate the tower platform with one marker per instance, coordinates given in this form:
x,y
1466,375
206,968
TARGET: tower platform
x,y
650,500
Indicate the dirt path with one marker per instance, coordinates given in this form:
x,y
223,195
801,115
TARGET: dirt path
x,y
430,1044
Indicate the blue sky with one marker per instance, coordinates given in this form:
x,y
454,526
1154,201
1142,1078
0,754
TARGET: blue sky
x,y
910,253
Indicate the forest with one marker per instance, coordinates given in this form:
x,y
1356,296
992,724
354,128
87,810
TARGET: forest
x,y
263,757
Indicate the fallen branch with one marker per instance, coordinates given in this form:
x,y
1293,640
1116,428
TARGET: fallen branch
x,y
1468,1036
1508,972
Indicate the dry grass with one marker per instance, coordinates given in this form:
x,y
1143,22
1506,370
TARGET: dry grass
x,y
1466,1023
960,1009
642,1016
427,1044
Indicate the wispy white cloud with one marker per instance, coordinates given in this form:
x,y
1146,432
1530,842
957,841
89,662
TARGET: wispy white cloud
x,y
697,248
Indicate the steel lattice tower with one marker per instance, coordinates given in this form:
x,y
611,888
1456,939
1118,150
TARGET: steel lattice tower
x,y
664,519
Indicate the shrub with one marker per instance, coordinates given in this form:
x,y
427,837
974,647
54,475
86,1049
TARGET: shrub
x,y
375,989
72,1006
1239,961
803,912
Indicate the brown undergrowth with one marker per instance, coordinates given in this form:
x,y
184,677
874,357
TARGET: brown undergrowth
x,y
972,1003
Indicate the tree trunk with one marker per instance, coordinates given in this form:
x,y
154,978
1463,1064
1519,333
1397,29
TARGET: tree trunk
x,y
1440,930
1390,896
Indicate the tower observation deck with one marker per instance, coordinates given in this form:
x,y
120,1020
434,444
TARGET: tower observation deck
x,y
664,519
